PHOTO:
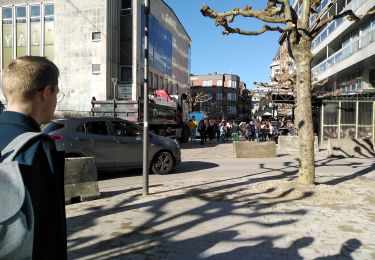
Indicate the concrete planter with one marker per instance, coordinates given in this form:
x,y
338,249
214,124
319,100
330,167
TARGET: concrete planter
x,y
245,149
80,180
290,144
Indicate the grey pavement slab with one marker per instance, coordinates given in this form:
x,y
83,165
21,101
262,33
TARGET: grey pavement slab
x,y
215,206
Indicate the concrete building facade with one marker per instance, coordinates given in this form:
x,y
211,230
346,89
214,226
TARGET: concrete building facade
x,y
94,42
344,61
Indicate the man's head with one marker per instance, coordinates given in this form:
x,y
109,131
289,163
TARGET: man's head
x,y
30,85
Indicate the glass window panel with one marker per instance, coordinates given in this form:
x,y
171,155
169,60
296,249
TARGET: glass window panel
x,y
330,113
35,11
365,113
97,127
21,11
7,39
126,74
347,132
49,26
35,31
330,132
49,9
7,13
125,129
365,132
348,112
21,30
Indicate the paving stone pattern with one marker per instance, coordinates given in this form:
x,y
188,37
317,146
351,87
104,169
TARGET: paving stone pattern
x,y
265,214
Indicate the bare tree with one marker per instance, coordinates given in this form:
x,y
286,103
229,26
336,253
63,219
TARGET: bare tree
x,y
195,99
281,17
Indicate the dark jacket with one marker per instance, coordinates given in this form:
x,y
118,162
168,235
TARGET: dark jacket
x,y
42,169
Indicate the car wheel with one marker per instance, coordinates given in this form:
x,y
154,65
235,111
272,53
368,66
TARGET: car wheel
x,y
162,163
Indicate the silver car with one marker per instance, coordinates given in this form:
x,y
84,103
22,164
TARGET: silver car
x,y
113,142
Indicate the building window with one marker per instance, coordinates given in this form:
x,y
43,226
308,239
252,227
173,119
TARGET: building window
x,y
95,68
231,109
7,41
35,26
126,74
206,109
21,29
219,82
49,27
96,36
219,96
126,7
207,96
206,83
231,96
232,84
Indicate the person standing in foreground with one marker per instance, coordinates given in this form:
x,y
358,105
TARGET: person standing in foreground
x,y
30,85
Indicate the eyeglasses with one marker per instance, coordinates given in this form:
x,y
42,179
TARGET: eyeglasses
x,y
60,96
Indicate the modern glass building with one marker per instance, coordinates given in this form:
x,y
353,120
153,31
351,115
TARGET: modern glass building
x,y
93,42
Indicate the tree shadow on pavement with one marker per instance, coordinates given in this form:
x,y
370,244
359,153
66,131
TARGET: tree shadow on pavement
x,y
345,178
229,218
160,234
346,250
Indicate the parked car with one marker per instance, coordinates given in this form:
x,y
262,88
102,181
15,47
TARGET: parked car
x,y
113,142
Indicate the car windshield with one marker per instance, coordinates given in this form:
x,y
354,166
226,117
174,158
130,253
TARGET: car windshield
x,y
53,126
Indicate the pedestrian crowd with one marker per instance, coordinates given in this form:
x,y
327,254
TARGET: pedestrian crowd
x,y
251,130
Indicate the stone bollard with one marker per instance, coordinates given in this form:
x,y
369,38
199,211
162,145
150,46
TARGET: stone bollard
x,y
244,149
80,180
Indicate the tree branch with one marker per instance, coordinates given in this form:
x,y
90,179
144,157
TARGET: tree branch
x,y
269,15
266,27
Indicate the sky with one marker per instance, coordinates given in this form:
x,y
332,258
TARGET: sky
x,y
249,57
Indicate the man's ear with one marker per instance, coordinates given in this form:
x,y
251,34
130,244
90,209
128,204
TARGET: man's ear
x,y
46,92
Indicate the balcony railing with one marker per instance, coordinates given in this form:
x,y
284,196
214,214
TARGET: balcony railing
x,y
354,6
342,54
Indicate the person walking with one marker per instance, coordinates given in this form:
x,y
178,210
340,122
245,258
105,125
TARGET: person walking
x,y
192,123
202,128
235,131
222,127
30,86
210,131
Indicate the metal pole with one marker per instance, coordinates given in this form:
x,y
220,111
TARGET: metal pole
x,y
114,81
145,103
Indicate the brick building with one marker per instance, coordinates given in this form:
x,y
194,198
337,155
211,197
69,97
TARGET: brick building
x,y
223,95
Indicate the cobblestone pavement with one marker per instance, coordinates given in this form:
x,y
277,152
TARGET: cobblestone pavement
x,y
241,209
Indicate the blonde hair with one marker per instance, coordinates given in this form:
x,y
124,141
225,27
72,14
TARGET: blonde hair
x,y
25,76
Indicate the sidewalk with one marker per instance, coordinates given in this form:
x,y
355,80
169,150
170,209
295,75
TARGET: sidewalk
x,y
239,209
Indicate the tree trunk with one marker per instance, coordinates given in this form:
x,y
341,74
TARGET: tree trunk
x,y
304,116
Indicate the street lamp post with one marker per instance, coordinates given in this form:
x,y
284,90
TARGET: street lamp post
x,y
114,81
145,102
